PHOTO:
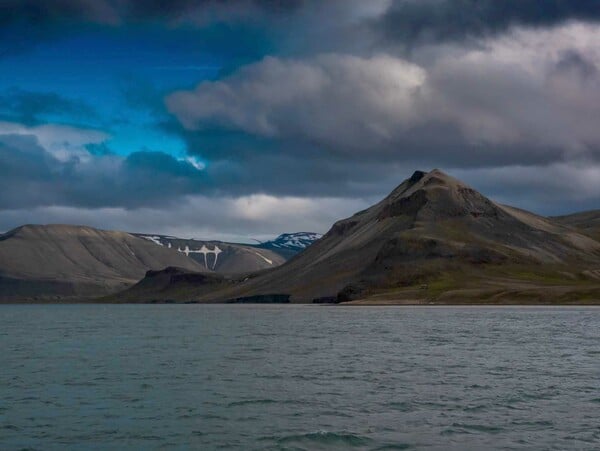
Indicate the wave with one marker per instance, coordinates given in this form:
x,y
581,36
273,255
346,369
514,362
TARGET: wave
x,y
325,438
247,402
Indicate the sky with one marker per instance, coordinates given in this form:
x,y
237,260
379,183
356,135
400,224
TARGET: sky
x,y
244,119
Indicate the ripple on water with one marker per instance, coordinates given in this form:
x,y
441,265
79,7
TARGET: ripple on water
x,y
249,402
323,440
465,428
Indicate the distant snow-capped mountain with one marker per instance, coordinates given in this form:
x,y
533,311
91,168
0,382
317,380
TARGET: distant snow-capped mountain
x,y
293,241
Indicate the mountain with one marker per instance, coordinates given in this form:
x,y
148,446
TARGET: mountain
x,y
221,257
289,244
433,239
61,261
588,222
72,262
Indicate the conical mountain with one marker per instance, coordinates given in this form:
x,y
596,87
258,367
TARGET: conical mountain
x,y
433,234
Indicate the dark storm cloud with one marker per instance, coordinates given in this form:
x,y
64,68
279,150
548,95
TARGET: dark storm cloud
x,y
295,26
550,189
26,23
344,125
152,192
407,20
21,157
152,163
470,111
177,8
43,12
241,164
30,107
415,21
297,168
30,176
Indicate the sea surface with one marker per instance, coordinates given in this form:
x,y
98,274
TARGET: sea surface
x,y
246,377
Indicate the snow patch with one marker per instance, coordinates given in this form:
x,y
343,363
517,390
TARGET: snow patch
x,y
270,262
153,238
203,250
299,240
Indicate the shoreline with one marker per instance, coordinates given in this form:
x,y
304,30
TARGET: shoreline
x,y
353,304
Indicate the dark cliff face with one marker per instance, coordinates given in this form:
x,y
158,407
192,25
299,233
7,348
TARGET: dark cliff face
x,y
405,206
176,275
417,175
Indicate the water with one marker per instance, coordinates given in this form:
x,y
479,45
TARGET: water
x,y
298,377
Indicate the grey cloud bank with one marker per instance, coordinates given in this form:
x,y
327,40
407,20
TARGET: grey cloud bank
x,y
502,94
536,89
526,103
419,21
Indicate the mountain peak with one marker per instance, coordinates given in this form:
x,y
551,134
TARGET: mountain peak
x,y
417,175
439,177
420,179
433,195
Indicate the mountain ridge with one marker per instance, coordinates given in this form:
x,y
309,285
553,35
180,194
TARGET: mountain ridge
x,y
64,261
61,260
230,258
430,238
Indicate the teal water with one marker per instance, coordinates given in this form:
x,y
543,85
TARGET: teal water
x,y
248,377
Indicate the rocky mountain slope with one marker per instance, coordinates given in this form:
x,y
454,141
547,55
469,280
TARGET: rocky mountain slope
x,y
588,222
433,239
61,261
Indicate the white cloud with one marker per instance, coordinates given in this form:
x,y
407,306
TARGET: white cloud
x,y
195,162
63,142
524,88
528,88
336,99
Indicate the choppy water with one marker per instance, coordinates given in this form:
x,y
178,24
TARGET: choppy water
x,y
287,377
